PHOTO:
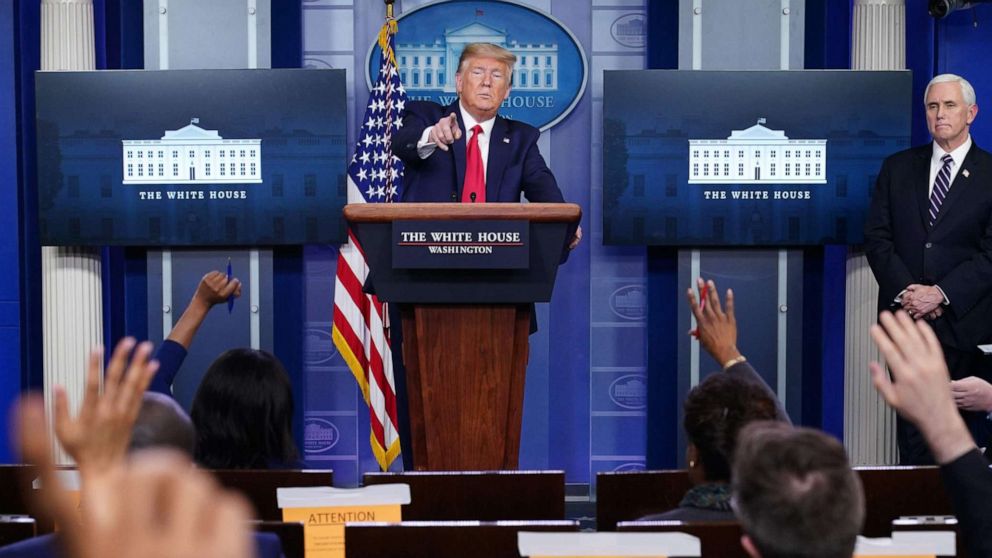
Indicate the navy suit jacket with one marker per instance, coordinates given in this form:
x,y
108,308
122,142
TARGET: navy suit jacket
x,y
514,164
267,545
968,481
955,253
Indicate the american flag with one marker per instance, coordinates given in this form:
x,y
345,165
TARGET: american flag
x,y
361,328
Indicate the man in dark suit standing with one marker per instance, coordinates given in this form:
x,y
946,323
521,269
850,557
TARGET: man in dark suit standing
x,y
465,151
928,239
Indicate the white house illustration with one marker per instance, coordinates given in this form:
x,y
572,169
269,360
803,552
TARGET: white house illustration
x,y
192,155
432,66
633,388
758,155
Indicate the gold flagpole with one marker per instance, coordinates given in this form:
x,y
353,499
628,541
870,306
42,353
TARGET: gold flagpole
x,y
389,8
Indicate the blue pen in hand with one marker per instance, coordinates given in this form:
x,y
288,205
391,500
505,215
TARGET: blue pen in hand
x,y
230,297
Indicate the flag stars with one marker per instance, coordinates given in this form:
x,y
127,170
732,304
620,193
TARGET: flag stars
x,y
377,173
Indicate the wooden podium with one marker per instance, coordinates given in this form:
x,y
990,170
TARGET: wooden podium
x,y
465,330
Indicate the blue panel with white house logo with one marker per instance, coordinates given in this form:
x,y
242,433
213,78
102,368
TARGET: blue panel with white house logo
x,y
619,391
165,158
697,170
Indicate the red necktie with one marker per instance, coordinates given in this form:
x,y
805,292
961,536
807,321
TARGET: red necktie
x,y
475,177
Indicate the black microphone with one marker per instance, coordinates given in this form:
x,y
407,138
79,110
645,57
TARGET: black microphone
x,y
472,197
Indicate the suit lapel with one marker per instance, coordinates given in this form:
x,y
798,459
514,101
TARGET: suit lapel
x,y
499,150
458,150
922,180
959,186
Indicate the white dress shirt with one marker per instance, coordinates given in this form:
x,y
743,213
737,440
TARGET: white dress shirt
x,y
957,155
425,147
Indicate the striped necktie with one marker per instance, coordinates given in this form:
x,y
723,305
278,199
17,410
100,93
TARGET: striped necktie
x,y
940,187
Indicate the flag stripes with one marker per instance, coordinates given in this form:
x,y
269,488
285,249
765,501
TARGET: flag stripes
x,y
360,324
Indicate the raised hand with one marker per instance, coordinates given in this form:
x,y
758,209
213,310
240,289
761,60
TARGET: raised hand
x,y
213,289
716,327
98,436
155,506
920,388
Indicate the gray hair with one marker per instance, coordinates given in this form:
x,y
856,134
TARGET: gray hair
x,y
794,492
162,422
967,91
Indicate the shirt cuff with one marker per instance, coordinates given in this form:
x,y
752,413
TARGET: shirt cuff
x,y
947,301
425,148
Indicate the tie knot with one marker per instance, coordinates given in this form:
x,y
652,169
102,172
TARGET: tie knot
x,y
477,129
947,159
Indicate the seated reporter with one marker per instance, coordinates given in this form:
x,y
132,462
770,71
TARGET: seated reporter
x,y
716,410
243,408
151,505
795,493
125,421
213,289
243,414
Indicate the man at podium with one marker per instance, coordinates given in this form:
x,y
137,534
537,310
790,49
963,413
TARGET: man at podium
x,y
465,151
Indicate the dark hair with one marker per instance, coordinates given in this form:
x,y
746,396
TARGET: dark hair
x,y
795,494
162,422
243,413
715,411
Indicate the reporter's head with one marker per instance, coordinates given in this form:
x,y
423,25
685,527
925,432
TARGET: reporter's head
x,y
243,413
795,494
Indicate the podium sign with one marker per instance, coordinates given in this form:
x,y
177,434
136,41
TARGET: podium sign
x,y
460,245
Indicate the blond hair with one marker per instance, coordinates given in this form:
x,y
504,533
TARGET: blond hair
x,y
487,50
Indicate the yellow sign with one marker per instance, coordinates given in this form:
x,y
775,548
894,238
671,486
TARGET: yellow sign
x,y
323,527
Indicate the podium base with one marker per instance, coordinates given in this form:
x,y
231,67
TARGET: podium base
x,y
465,371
